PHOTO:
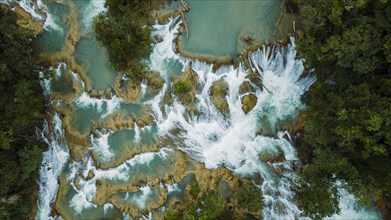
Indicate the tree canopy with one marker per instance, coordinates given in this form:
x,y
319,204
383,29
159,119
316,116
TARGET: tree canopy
x,y
22,110
123,30
347,131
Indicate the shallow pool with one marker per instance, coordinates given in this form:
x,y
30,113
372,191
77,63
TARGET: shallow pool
x,y
215,26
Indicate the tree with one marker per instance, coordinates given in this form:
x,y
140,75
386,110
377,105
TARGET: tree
x,y
123,30
22,110
347,133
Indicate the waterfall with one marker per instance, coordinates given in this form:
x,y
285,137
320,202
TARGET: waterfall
x,y
34,8
90,12
233,140
217,141
100,145
102,105
54,160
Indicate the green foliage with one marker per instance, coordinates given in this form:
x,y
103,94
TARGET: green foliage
x,y
209,207
249,197
124,32
22,110
182,86
172,215
347,133
194,189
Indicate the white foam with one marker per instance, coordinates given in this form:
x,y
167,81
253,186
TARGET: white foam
x,y
54,160
234,143
350,209
141,198
137,134
102,105
106,208
100,145
164,51
31,7
93,9
46,83
50,21
172,187
143,88
84,196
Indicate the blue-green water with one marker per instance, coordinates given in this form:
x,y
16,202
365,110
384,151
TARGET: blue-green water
x,y
94,60
215,26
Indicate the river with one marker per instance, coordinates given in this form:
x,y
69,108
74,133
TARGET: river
x,y
113,157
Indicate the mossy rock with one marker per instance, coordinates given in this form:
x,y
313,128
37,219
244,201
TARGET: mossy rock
x,y
90,175
27,22
155,82
185,85
218,93
271,157
246,87
248,102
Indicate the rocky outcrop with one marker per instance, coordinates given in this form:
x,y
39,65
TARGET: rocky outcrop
x,y
218,93
27,22
185,85
246,87
248,102
154,81
127,90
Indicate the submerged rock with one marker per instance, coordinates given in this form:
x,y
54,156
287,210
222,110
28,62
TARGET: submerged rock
x,y
225,190
272,157
218,93
248,102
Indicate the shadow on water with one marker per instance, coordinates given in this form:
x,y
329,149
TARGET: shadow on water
x,y
94,59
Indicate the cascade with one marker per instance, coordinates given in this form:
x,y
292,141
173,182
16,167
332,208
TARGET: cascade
x,y
233,140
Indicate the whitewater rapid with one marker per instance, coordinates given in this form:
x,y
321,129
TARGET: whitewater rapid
x,y
53,162
232,141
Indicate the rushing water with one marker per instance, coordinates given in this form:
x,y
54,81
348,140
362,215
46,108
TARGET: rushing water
x,y
54,160
71,184
216,141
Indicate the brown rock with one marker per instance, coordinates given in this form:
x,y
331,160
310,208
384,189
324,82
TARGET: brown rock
x,y
248,102
27,22
184,86
246,87
155,82
218,93
90,175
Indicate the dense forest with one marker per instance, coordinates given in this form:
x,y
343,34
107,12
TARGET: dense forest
x,y
123,29
22,110
347,132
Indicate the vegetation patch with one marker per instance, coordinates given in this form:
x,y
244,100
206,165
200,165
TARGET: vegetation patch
x,y
249,197
123,29
182,86
209,207
22,110
347,133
